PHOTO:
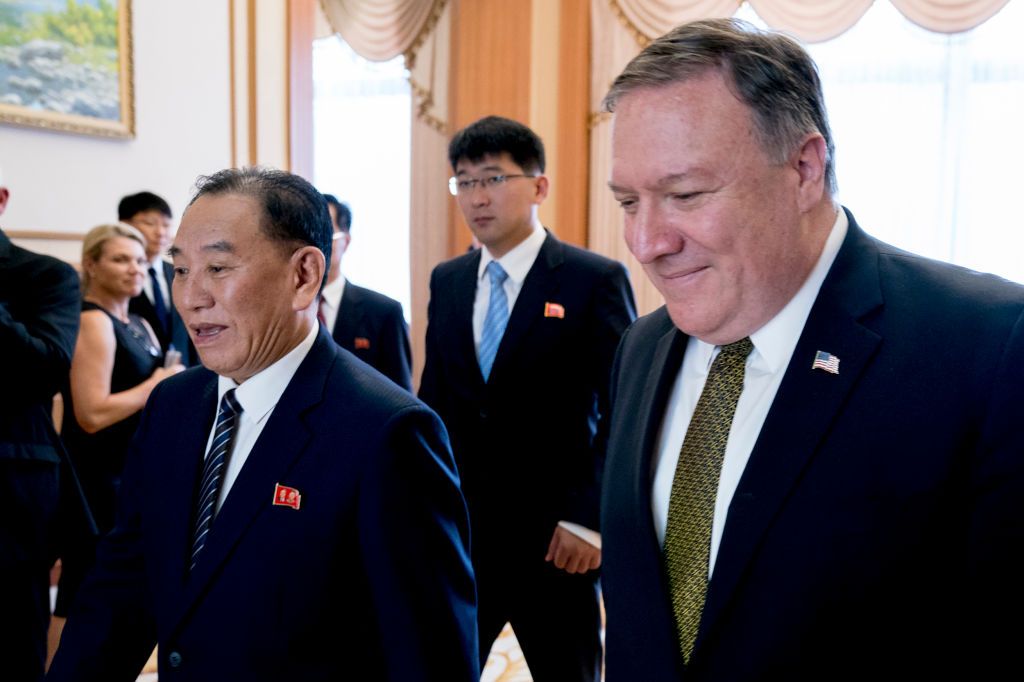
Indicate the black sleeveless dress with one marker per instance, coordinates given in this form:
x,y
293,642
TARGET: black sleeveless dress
x,y
99,457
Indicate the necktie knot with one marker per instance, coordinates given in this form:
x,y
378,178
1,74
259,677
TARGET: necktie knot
x,y
497,273
737,351
229,404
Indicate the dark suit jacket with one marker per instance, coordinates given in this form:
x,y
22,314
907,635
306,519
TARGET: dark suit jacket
x,y
369,579
878,528
372,326
527,441
177,335
39,309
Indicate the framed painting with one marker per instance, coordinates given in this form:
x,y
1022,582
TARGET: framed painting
x,y
67,65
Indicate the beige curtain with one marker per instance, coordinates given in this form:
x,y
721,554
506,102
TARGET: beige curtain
x,y
380,30
623,27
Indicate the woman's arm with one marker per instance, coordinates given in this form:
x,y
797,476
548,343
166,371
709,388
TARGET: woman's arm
x,y
91,368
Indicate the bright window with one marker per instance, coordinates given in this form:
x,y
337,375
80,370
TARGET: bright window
x,y
928,133
361,138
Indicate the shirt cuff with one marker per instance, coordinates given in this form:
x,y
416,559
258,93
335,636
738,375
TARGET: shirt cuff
x,y
590,536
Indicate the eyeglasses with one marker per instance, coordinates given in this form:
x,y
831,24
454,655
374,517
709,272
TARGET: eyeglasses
x,y
459,186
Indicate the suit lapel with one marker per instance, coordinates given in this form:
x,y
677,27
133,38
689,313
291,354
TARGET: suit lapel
x,y
180,477
806,405
349,311
540,285
283,439
463,296
664,370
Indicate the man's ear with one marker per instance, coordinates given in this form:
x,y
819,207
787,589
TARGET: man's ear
x,y
542,189
308,268
809,162
4,196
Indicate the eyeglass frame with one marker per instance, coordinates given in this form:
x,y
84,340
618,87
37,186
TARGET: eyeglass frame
x,y
489,182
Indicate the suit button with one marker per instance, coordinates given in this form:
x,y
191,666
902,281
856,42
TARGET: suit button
x,y
174,659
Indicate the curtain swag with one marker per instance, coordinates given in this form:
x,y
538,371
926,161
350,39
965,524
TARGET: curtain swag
x,y
809,20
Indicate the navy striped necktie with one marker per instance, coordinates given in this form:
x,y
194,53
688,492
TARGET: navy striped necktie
x,y
213,471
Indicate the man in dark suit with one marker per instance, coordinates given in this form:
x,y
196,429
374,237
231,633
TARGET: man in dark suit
x,y
366,323
323,535
816,459
39,306
151,215
520,341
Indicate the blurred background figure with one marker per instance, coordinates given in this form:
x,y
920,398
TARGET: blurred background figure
x,y
151,215
38,324
362,321
116,364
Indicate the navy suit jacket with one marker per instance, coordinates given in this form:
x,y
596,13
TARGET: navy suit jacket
x,y
177,335
372,326
369,578
878,528
528,442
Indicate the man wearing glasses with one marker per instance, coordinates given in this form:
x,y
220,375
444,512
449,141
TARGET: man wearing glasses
x,y
520,341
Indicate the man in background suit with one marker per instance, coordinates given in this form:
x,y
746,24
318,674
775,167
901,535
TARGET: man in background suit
x,y
151,215
816,459
366,323
520,341
39,306
323,535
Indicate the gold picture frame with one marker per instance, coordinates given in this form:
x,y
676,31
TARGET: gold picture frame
x,y
59,69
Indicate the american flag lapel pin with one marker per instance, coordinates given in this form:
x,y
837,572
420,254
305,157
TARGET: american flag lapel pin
x,y
554,310
286,497
826,361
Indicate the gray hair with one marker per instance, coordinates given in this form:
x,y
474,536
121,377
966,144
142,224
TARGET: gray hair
x,y
769,72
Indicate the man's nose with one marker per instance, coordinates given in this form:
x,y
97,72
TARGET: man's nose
x,y
649,234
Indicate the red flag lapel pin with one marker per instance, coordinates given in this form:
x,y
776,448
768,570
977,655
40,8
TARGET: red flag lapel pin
x,y
286,497
825,361
362,343
554,310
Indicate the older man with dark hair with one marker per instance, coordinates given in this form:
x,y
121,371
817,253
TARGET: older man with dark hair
x,y
816,459
311,527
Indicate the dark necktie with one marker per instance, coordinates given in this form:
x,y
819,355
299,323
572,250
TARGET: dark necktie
x,y
159,307
691,507
213,470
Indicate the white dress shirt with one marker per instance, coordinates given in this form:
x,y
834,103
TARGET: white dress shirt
x,y
331,301
773,347
258,397
517,264
161,284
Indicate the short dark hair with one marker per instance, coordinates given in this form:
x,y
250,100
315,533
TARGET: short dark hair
x,y
495,135
769,72
293,210
343,212
133,204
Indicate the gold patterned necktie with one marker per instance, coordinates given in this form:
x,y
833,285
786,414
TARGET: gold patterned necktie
x,y
691,506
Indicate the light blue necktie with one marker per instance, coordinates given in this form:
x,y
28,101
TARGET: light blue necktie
x,y
213,470
496,320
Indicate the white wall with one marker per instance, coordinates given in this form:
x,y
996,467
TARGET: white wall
x,y
69,183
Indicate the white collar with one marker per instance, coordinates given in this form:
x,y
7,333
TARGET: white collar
x,y
519,260
260,392
775,340
333,291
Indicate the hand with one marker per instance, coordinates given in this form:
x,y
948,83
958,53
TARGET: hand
x,y
572,553
161,373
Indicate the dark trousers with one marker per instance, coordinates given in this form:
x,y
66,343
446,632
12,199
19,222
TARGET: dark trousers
x,y
555,616
29,492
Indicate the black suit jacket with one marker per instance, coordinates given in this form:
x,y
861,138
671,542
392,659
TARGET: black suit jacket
x,y
372,326
39,309
877,530
368,579
527,442
177,335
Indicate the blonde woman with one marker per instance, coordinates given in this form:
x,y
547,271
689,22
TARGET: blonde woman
x,y
116,365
